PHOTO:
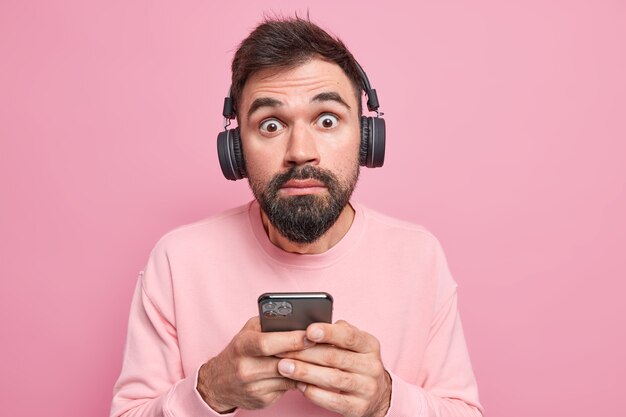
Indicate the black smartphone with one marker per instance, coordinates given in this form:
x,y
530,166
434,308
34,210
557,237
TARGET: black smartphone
x,y
283,312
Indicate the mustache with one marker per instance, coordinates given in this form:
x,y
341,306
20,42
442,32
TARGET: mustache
x,y
303,173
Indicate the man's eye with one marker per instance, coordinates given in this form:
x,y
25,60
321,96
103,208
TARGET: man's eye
x,y
327,121
271,126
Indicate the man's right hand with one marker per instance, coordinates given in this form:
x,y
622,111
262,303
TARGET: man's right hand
x,y
245,374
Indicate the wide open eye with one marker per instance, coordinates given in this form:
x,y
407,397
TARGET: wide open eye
x,y
327,121
271,126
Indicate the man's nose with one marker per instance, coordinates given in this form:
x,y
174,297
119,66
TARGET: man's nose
x,y
302,146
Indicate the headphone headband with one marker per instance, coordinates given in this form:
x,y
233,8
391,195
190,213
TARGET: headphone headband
x,y
372,97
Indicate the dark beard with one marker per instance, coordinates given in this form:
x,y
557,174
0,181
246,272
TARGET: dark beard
x,y
304,218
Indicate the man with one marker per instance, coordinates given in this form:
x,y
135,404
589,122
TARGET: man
x,y
296,93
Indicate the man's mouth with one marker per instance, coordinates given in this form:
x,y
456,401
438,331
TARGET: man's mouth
x,y
302,187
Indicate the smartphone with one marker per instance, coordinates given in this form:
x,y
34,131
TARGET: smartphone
x,y
283,312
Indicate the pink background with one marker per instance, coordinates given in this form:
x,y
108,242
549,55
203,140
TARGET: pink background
x,y
506,137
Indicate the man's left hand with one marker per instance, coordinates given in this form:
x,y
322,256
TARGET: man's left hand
x,y
343,373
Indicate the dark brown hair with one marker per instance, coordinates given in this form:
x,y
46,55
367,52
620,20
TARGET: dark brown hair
x,y
286,43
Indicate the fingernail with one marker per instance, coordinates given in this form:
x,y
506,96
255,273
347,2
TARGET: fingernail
x,y
301,386
317,334
308,343
286,367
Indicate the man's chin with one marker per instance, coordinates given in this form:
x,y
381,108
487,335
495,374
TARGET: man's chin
x,y
302,219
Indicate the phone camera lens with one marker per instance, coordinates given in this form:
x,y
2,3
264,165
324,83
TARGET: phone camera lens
x,y
284,309
276,308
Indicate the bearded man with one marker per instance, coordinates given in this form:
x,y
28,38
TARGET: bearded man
x,y
195,345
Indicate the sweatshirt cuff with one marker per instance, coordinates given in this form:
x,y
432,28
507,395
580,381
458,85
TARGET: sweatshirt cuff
x,y
185,400
406,399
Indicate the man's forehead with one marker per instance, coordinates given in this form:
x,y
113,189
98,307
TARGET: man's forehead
x,y
308,78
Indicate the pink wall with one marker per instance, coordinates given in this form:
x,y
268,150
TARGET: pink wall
x,y
506,138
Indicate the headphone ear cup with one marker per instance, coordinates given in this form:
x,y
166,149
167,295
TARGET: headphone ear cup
x,y
230,154
365,133
378,133
240,163
372,152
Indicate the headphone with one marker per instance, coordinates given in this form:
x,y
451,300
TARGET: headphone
x,y
371,151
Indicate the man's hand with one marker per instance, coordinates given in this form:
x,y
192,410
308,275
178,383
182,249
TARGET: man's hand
x,y
343,373
244,374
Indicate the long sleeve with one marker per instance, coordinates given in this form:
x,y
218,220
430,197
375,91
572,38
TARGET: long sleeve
x,y
446,387
152,382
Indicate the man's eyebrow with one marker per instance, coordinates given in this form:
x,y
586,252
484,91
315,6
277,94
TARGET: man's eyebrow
x,y
330,96
263,102
272,102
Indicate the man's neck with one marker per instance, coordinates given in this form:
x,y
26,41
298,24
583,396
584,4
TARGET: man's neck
x,y
321,245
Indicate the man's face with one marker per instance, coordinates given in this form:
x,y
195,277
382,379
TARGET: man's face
x,y
300,132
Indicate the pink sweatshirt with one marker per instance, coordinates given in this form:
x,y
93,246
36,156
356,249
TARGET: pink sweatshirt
x,y
201,285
